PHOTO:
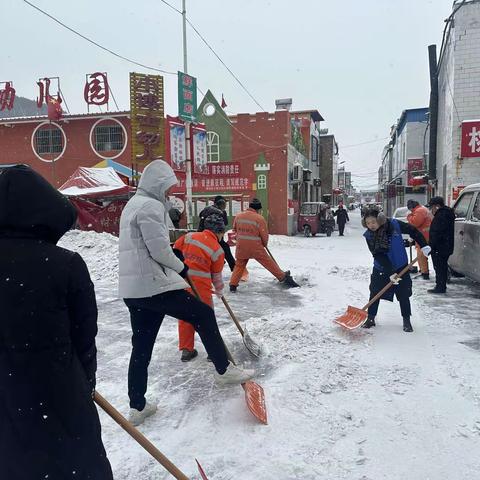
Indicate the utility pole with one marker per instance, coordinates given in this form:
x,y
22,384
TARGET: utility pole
x,y
188,152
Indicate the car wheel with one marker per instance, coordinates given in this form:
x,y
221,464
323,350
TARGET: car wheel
x,y
453,273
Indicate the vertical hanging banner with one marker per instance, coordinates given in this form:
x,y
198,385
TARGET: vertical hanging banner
x,y
147,123
187,97
199,149
177,147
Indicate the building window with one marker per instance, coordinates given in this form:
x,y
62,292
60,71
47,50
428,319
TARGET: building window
x,y
108,138
48,140
262,182
315,150
213,147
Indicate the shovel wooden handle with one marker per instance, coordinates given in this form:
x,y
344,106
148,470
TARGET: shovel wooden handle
x,y
387,287
234,318
271,256
139,437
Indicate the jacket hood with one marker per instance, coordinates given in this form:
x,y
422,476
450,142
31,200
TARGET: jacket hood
x,y
156,179
30,206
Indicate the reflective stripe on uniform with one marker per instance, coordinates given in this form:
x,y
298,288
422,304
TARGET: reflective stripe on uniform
x,y
213,254
247,237
247,222
199,273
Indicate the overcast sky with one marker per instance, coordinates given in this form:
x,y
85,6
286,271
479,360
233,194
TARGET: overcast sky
x,y
360,63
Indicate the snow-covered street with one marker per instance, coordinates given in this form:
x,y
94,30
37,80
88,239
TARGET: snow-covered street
x,y
368,404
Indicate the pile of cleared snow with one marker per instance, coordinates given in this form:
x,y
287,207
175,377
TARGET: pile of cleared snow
x,y
99,250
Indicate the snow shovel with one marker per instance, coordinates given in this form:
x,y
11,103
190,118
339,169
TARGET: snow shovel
x,y
251,346
142,440
356,317
254,394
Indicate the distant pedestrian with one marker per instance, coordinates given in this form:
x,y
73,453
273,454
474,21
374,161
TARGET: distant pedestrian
x,y
49,426
442,234
342,219
420,218
219,206
384,240
175,216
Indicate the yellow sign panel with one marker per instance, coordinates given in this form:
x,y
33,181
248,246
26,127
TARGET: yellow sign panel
x,y
147,118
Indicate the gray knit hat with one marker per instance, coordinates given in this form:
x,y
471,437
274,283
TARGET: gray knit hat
x,y
215,223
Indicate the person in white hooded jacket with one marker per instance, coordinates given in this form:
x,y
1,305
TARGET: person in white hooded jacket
x,y
151,282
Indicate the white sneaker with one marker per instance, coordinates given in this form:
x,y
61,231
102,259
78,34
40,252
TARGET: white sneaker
x,y
137,417
234,375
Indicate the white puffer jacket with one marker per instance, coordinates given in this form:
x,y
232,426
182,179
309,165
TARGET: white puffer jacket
x,y
147,264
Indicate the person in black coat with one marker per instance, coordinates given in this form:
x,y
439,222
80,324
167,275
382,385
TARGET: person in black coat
x,y
49,426
342,219
442,235
175,216
385,242
218,207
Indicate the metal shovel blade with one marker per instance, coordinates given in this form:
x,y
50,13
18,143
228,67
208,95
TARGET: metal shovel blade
x,y
250,344
201,471
255,398
352,318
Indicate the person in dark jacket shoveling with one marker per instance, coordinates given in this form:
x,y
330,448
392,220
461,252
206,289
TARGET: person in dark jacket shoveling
x,y
49,426
384,240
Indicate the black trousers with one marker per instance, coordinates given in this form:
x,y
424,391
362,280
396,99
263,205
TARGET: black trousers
x,y
228,254
341,228
402,291
440,264
146,316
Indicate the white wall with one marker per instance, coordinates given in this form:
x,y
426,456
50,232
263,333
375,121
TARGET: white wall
x,y
459,99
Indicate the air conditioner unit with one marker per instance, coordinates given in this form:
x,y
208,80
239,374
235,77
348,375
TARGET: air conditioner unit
x,y
317,182
307,175
297,173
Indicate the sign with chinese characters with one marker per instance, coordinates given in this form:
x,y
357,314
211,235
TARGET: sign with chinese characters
x,y
187,97
414,169
224,169
97,90
218,184
470,138
177,147
199,139
7,96
147,110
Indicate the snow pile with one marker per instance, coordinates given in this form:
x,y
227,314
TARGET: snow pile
x,y
99,250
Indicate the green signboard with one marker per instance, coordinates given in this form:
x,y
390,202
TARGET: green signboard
x,y
187,97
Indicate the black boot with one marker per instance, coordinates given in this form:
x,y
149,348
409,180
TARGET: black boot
x,y
407,326
436,290
233,288
370,322
426,276
188,355
289,282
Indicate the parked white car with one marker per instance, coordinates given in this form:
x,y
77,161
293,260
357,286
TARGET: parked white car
x,y
466,255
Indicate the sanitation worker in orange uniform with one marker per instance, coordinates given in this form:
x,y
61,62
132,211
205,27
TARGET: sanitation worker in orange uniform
x,y
204,257
421,218
252,238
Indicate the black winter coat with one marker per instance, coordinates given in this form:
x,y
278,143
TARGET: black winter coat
x,y
342,216
49,426
210,211
442,231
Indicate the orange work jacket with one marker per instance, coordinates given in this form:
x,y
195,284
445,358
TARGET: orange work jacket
x,y
421,218
252,234
203,255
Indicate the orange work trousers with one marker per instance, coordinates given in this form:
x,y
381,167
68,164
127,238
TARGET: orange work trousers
x,y
186,331
422,260
264,259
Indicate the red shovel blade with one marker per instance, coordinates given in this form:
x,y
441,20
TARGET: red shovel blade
x,y
353,318
201,471
255,398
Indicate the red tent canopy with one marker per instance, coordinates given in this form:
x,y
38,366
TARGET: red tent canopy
x,y
95,183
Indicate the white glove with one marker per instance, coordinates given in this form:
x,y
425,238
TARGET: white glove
x,y
426,250
395,279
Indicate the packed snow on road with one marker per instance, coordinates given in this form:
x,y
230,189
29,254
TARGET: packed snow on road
x,y
360,405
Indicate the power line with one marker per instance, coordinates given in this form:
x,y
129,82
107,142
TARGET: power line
x,y
93,42
202,38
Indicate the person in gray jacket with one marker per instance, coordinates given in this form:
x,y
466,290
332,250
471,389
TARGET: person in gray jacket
x,y
152,284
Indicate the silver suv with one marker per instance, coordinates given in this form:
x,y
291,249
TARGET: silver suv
x,y
466,256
